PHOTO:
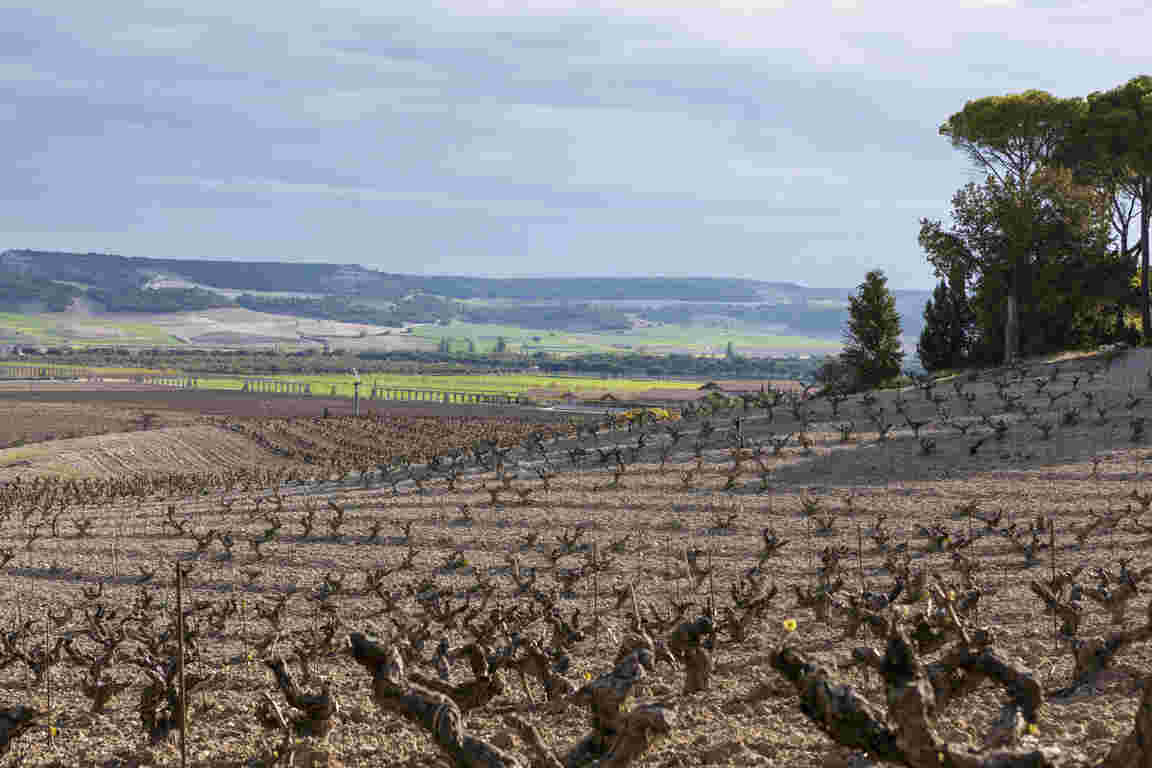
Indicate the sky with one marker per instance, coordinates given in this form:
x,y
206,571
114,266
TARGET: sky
x,y
766,139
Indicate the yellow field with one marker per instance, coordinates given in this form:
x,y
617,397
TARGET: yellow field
x,y
512,385
323,383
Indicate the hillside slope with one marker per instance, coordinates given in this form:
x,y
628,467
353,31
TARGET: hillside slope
x,y
352,293
202,448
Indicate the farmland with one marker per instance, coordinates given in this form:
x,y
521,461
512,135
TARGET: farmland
x,y
689,582
21,424
510,384
656,340
60,328
211,304
235,327
227,327
343,384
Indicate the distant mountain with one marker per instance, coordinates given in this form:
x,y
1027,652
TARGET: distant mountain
x,y
106,270
128,283
111,271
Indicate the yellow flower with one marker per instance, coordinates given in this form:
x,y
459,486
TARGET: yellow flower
x,y
587,675
789,625
1032,729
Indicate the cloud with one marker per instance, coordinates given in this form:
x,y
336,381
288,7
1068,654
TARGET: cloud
x,y
780,140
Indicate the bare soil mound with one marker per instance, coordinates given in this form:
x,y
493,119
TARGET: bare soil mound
x,y
22,422
202,448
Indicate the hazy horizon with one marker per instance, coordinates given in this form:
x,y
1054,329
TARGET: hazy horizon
x,y
767,140
530,276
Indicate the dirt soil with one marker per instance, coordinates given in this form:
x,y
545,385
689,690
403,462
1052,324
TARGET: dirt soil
x,y
23,422
643,521
80,429
202,448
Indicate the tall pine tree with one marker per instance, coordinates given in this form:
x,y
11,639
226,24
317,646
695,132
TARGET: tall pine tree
x,y
947,332
872,345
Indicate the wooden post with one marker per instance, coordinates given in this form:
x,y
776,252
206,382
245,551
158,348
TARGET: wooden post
x,y
1052,552
596,592
180,650
970,526
808,537
635,605
860,556
711,589
20,621
243,623
48,673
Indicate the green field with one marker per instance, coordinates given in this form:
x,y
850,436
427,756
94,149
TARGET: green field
x,y
656,340
322,383
512,385
52,329
64,329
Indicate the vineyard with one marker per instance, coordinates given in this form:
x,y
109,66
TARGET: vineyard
x,y
21,425
948,575
375,442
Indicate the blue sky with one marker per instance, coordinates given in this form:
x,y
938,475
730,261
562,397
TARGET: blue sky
x,y
771,140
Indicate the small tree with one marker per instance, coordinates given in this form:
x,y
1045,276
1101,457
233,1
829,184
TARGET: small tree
x,y
835,375
872,343
946,336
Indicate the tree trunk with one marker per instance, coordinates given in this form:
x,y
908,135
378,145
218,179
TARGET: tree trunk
x,y
1021,232
1145,215
1012,329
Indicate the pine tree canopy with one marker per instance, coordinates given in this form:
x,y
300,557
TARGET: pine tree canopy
x,y
872,344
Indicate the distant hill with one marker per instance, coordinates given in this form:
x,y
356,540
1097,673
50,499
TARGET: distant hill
x,y
105,270
109,270
122,283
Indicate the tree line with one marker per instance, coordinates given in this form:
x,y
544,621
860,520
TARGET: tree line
x,y
18,293
1050,251
1044,253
